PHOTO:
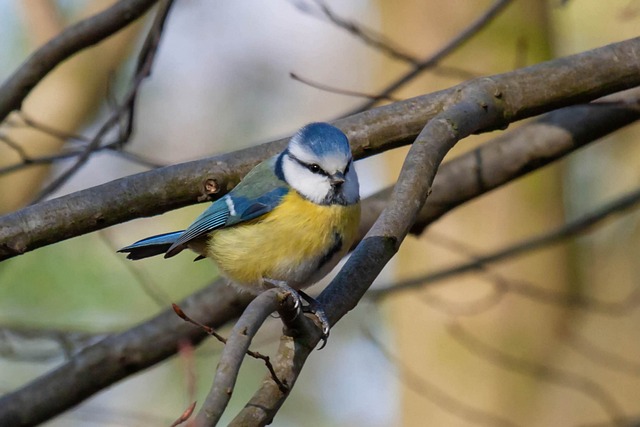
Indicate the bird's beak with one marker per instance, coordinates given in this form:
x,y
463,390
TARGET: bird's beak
x,y
337,179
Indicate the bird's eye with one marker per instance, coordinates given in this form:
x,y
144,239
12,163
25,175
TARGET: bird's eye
x,y
314,168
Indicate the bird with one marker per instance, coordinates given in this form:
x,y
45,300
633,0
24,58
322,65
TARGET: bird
x,y
286,224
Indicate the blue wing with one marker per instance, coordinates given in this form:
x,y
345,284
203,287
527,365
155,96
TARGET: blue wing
x,y
259,192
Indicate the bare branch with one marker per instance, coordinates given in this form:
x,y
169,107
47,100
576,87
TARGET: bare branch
x,y
579,383
523,93
568,230
143,70
326,88
446,402
121,355
432,60
72,40
117,356
236,347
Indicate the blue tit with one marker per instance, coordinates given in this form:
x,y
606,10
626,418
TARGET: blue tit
x,y
286,224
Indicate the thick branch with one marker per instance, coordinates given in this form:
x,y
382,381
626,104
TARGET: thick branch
x,y
528,148
523,93
72,40
474,111
116,357
456,183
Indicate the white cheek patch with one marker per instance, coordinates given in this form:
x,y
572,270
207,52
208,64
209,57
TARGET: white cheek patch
x,y
312,186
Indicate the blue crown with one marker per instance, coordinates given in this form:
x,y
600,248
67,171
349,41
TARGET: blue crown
x,y
323,139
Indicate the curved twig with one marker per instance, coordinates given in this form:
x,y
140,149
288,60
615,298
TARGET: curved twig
x,y
432,60
234,351
474,111
523,93
123,354
571,229
75,38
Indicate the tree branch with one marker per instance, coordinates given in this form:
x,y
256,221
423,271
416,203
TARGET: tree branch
x,y
116,357
72,40
127,108
432,60
474,110
523,93
123,354
234,351
568,230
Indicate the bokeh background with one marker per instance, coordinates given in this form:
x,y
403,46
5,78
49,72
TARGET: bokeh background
x,y
222,82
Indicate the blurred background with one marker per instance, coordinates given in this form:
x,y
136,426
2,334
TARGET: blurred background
x,y
457,353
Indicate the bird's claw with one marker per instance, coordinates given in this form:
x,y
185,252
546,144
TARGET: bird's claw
x,y
315,308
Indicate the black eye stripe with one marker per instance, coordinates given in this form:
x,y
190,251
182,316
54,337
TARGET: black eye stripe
x,y
312,167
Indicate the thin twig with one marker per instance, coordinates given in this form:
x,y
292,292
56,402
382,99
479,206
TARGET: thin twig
x,y
432,60
579,383
211,331
430,391
28,121
326,88
72,40
24,157
258,310
185,415
143,70
568,230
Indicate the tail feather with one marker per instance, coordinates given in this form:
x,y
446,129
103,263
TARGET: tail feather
x,y
151,246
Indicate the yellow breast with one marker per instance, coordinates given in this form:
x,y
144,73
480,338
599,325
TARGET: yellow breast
x,y
286,244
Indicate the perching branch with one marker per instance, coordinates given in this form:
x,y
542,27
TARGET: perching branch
x,y
475,110
237,345
116,357
523,93
72,40
122,354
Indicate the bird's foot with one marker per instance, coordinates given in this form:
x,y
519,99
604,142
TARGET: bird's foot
x,y
281,284
313,307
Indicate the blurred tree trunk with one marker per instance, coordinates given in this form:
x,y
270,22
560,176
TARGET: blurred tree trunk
x,y
516,325
605,264
76,88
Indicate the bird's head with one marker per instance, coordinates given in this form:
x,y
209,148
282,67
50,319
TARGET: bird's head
x,y
318,164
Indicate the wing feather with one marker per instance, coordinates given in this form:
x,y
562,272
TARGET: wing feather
x,y
259,193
